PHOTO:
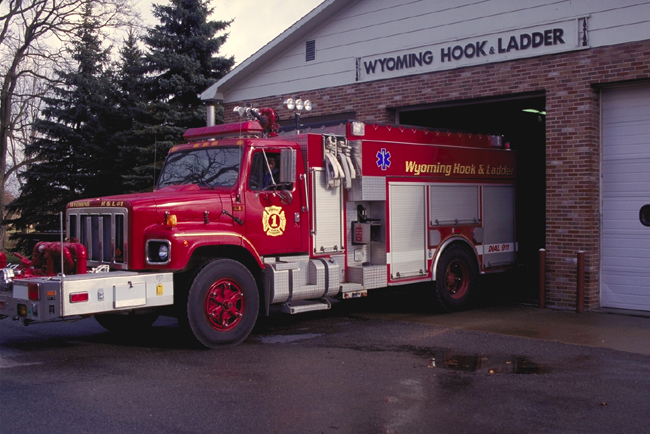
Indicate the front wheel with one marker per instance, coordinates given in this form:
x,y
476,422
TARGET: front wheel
x,y
456,278
222,304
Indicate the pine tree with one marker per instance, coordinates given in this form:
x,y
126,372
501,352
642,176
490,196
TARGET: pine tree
x,y
76,157
133,138
182,61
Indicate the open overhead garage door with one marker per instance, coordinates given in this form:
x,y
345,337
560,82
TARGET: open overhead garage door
x,y
625,242
521,120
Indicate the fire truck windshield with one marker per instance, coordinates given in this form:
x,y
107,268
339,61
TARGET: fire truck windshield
x,y
211,167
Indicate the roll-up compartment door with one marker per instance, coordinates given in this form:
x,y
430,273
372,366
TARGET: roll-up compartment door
x,y
499,246
408,251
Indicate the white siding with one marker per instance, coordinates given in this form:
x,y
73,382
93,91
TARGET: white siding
x,y
374,27
625,244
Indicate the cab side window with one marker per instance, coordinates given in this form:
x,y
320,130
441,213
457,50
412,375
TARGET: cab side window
x,y
260,176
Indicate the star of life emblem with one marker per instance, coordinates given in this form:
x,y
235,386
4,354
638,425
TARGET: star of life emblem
x,y
383,159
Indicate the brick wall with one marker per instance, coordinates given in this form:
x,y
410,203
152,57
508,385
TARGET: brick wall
x,y
570,82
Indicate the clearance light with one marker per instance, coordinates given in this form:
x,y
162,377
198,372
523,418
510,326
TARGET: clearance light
x,y
170,220
32,291
22,310
78,297
358,129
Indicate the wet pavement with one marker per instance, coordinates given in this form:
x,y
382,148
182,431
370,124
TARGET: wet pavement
x,y
618,330
358,368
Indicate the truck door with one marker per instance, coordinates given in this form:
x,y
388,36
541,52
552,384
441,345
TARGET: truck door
x,y
273,210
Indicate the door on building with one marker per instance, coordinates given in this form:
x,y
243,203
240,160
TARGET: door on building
x,y
521,121
625,196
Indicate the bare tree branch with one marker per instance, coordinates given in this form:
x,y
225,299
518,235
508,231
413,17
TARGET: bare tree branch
x,y
34,35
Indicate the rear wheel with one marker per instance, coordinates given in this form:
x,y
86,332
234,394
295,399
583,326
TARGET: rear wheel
x,y
132,322
456,278
223,304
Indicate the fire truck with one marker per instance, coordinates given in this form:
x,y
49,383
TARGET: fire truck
x,y
245,221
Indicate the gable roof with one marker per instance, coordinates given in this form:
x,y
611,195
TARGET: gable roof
x,y
344,42
282,42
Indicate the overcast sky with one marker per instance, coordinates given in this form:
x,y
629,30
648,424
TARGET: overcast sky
x,y
256,22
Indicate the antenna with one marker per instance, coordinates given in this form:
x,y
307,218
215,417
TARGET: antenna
x,y
155,157
61,233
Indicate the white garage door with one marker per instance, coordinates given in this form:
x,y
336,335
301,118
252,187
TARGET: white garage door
x,y
625,244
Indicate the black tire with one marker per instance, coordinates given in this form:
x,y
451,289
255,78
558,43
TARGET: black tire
x,y
222,304
130,323
457,278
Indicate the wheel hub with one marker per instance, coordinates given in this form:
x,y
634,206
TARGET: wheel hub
x,y
224,304
457,279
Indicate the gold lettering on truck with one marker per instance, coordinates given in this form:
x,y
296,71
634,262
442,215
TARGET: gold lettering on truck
x,y
79,204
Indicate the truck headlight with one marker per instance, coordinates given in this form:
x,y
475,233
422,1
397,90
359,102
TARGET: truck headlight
x,y
163,252
158,252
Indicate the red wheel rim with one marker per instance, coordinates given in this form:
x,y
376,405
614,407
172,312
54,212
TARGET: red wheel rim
x,y
457,278
224,304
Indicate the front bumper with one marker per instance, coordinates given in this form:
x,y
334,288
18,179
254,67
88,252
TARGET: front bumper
x,y
40,299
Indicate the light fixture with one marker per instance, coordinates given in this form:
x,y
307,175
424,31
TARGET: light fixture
x,y
537,112
241,111
299,105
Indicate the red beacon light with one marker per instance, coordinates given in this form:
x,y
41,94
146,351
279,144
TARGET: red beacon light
x,y
238,129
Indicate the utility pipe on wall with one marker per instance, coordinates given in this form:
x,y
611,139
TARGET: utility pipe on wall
x,y
580,292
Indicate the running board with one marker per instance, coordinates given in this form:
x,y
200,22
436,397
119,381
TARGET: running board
x,y
300,306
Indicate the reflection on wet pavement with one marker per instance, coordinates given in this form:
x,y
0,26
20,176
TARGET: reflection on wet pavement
x,y
485,364
287,339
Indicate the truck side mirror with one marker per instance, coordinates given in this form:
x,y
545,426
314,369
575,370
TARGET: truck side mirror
x,y
287,166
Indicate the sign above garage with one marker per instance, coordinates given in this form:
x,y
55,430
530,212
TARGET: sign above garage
x,y
551,38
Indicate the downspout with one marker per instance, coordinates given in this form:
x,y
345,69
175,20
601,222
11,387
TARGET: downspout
x,y
209,115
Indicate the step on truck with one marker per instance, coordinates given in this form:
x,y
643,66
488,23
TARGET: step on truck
x,y
244,219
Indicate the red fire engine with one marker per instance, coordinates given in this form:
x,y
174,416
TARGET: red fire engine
x,y
243,219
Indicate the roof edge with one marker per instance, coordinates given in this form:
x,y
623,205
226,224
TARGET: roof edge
x,y
320,13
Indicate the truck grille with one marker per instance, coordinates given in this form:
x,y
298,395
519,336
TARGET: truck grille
x,y
103,232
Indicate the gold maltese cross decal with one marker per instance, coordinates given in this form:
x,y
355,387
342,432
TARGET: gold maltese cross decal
x,y
274,221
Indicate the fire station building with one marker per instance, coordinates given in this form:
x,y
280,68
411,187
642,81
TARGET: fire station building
x,y
566,82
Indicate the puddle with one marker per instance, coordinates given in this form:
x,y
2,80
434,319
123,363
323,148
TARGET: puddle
x,y
486,364
287,339
481,363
